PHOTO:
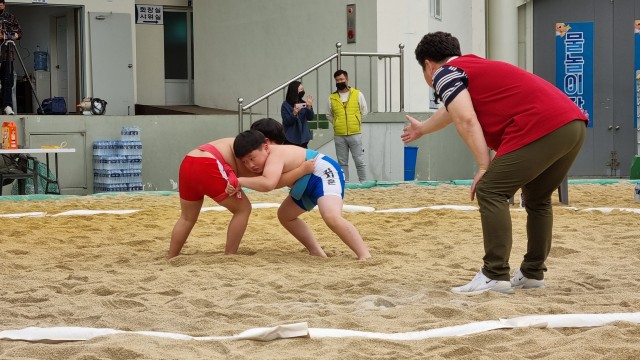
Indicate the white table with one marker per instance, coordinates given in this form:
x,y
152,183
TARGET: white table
x,y
56,151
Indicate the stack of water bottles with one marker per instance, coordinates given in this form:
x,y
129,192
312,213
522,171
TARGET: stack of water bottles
x,y
117,164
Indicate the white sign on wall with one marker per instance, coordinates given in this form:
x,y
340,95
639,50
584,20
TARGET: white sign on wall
x,y
149,14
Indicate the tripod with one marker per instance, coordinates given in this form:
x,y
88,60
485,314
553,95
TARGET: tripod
x,y
33,90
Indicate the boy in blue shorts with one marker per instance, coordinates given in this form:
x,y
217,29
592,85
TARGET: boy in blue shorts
x,y
324,187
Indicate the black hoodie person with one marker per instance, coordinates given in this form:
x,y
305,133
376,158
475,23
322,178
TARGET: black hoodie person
x,y
296,113
9,31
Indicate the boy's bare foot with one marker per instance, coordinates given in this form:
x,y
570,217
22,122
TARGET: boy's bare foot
x,y
322,254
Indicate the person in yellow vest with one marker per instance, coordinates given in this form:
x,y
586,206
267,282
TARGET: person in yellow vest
x,y
345,110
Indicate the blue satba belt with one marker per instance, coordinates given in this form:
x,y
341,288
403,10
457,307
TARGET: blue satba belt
x,y
298,189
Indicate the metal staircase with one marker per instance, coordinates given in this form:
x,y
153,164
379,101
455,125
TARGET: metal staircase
x,y
383,78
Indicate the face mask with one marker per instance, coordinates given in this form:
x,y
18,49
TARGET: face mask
x,y
300,94
341,85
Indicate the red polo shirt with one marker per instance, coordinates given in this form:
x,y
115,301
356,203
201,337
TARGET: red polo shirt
x,y
513,106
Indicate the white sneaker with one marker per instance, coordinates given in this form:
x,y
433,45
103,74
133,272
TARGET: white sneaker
x,y
481,283
8,111
519,281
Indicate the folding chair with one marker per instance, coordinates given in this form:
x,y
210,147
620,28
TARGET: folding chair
x,y
16,167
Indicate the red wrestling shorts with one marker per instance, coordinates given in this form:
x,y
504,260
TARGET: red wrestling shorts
x,y
200,176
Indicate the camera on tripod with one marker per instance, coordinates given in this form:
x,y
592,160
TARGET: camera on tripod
x,y
8,48
6,30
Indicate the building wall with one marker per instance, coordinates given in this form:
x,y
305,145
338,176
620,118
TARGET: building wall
x,y
404,22
443,155
407,21
258,43
244,49
612,137
150,57
150,64
166,139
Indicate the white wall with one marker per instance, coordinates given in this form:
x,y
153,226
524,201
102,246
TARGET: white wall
x,y
407,21
150,64
457,19
150,56
502,36
244,49
479,28
266,43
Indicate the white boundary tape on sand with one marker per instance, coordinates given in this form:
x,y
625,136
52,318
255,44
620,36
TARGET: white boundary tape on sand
x,y
254,206
29,214
71,213
434,207
607,210
346,208
95,212
64,334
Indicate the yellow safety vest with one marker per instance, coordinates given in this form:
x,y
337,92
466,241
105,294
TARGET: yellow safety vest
x,y
347,118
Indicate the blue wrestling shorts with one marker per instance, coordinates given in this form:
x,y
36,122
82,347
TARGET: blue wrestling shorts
x,y
326,179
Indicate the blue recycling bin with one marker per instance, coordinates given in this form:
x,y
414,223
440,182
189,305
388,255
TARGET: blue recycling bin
x,y
410,157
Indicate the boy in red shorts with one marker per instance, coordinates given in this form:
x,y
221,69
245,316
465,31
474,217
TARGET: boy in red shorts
x,y
207,170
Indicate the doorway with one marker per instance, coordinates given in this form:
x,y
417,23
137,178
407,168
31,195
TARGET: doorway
x,y
112,61
611,138
56,31
178,56
60,63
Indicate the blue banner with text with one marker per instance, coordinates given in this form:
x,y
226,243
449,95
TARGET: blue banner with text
x,y
574,64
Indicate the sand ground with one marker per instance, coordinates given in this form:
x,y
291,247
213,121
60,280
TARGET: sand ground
x,y
110,271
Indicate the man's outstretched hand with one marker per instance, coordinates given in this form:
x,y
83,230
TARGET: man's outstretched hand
x,y
412,131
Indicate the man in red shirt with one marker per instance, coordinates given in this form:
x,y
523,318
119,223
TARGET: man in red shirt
x,y
536,132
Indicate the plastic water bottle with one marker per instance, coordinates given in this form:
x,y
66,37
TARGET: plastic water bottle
x,y
124,133
130,133
40,59
637,192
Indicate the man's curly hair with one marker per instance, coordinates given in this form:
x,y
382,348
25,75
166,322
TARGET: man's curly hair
x,y
437,46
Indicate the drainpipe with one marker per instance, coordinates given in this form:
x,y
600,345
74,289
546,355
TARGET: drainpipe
x,y
401,47
503,30
240,120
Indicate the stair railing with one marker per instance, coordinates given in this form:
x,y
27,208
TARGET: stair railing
x,y
387,74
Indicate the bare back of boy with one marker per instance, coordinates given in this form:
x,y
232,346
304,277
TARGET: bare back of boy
x,y
271,162
225,147
283,158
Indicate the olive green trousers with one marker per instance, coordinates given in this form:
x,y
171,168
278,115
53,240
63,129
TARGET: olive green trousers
x,y
538,169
